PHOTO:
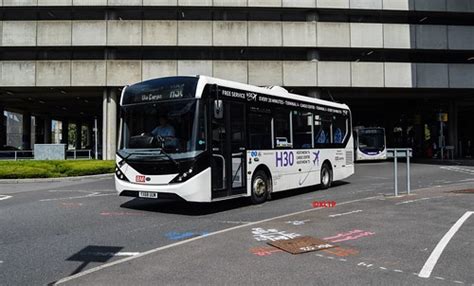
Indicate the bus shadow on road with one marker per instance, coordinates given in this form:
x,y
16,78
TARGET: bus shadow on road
x,y
200,209
185,208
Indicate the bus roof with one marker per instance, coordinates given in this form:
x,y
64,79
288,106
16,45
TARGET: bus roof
x,y
279,92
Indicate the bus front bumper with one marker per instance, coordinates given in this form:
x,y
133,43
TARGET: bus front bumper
x,y
196,189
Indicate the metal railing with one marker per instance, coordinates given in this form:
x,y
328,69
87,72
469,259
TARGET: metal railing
x,y
30,154
17,155
396,153
79,154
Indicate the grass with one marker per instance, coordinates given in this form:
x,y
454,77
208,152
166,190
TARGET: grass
x,y
53,169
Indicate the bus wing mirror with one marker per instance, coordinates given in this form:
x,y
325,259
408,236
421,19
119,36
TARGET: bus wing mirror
x,y
218,109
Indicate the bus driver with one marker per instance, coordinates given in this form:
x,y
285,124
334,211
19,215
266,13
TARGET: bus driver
x,y
164,129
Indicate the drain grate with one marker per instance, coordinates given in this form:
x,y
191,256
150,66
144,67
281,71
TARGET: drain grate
x,y
301,244
469,191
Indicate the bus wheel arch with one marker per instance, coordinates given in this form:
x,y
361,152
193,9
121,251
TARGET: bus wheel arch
x,y
261,185
327,173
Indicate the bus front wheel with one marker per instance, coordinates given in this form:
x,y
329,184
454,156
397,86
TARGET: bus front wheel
x,y
260,187
326,176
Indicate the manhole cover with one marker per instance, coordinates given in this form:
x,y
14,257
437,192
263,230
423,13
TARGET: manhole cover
x,y
470,191
301,244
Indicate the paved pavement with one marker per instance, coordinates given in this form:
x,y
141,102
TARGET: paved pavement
x,y
53,230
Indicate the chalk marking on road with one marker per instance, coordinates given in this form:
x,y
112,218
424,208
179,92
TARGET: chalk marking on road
x,y
298,222
364,264
433,259
151,251
91,195
347,213
4,197
342,259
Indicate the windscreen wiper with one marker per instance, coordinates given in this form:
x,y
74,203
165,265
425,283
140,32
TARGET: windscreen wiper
x,y
169,157
162,152
124,159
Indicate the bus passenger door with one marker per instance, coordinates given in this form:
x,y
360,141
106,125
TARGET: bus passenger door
x,y
219,150
228,148
237,147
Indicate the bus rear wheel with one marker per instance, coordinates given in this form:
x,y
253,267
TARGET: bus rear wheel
x,y
326,176
260,187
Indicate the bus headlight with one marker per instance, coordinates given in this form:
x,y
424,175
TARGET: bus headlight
x,y
120,175
183,176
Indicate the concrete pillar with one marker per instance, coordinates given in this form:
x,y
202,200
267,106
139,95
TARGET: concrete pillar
x,y
26,131
65,132
78,143
3,127
47,130
109,124
453,126
39,127
90,134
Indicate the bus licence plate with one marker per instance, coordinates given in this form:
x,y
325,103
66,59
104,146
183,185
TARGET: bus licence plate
x,y
148,195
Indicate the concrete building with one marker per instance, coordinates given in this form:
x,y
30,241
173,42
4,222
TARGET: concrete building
x,y
397,63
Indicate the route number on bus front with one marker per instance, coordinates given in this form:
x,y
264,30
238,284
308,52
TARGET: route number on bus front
x,y
284,159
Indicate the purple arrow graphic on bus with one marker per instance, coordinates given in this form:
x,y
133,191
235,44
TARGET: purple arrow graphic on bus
x,y
316,157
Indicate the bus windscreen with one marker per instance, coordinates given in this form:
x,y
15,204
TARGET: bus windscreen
x,y
371,140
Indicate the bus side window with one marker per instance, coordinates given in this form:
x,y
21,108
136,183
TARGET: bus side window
x,y
340,128
282,131
302,129
323,130
260,131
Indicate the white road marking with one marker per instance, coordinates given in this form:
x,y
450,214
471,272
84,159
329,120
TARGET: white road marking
x,y
4,197
398,270
458,282
383,268
127,253
89,195
412,201
151,251
112,253
439,278
463,170
433,259
364,264
341,214
234,222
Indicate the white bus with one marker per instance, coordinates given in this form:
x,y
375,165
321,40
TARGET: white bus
x,y
370,144
203,139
